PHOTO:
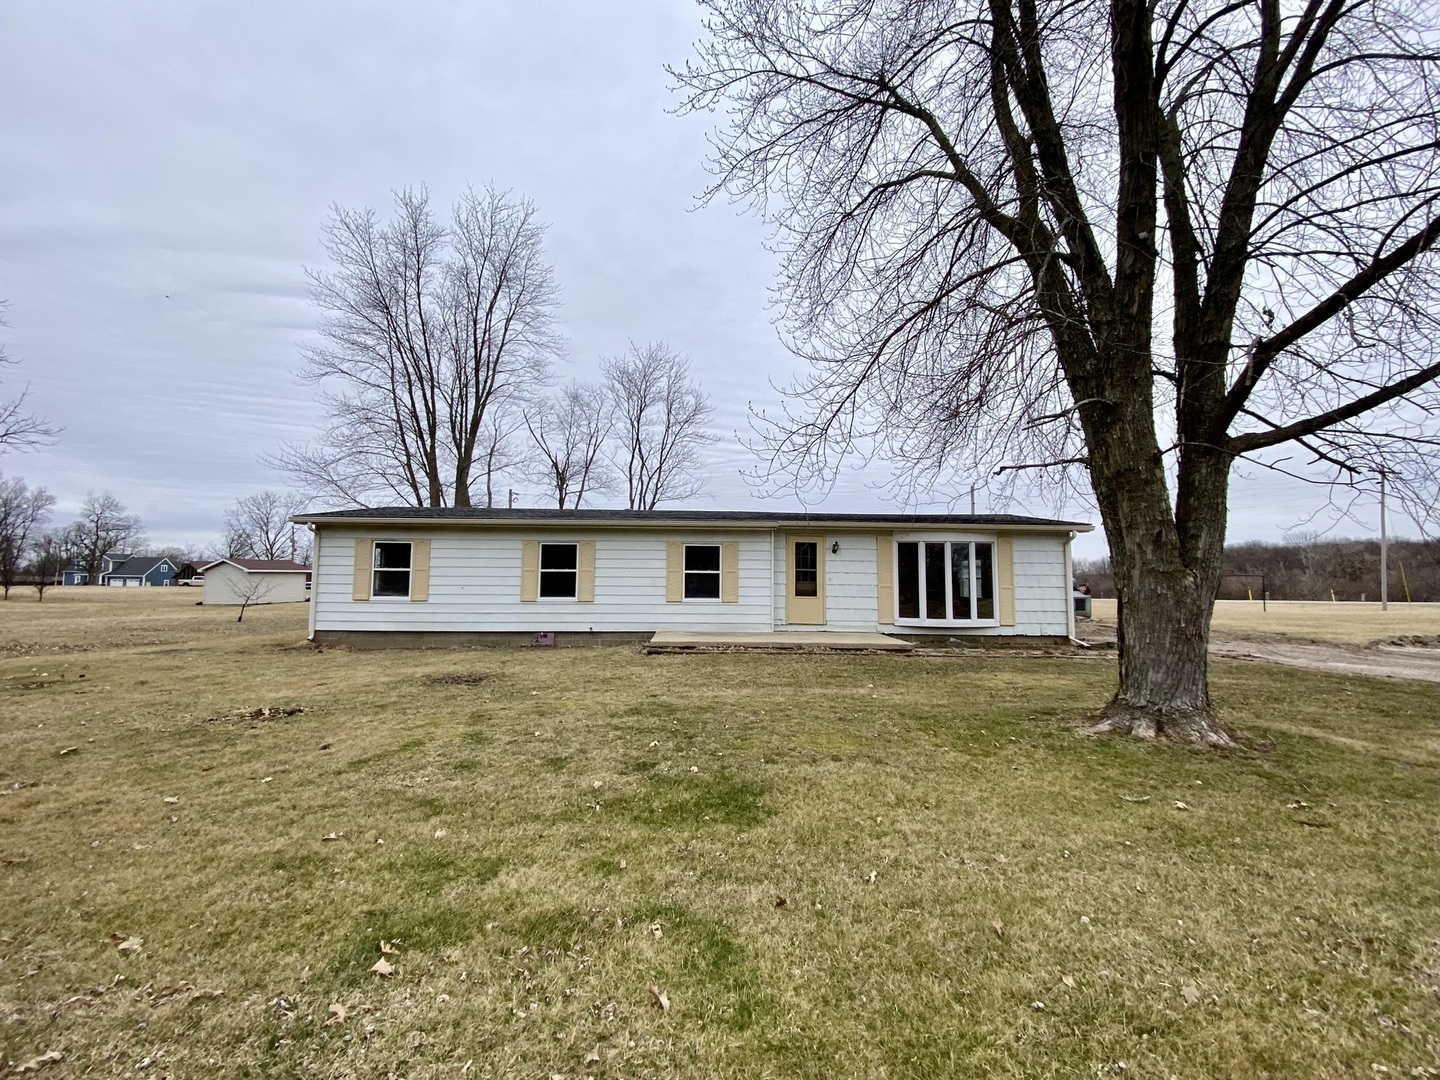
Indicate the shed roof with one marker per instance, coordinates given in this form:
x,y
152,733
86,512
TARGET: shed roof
x,y
284,566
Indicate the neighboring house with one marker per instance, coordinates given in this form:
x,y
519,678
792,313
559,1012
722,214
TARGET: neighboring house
x,y
461,576
255,581
138,570
79,575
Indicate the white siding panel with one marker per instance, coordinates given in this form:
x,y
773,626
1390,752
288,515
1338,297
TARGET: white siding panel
x,y
475,585
850,582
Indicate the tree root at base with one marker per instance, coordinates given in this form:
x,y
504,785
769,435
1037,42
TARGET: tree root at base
x,y
1187,726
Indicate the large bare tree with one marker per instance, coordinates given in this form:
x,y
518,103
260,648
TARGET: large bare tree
x,y
427,328
23,512
569,432
1147,239
104,527
659,416
258,527
20,429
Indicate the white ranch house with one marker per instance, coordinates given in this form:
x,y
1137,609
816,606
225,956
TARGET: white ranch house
x,y
461,576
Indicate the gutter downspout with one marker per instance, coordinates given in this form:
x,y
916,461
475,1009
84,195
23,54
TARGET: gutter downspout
x,y
1070,596
314,577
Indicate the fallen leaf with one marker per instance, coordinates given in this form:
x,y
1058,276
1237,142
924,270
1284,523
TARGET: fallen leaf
x,y
383,968
332,836
779,901
593,1057
1038,1006
388,949
659,997
267,780
870,878
440,834
1180,805
1191,993
1136,798
1299,804
35,1064
172,799
326,745
999,927
130,946
207,993
338,1013
1068,980
623,864
657,931
69,750
118,937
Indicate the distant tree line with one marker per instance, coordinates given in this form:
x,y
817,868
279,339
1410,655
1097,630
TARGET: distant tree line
x,y
1310,569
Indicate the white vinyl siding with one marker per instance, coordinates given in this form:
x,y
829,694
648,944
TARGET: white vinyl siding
x,y
475,584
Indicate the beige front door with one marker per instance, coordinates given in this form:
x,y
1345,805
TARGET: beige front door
x,y
805,580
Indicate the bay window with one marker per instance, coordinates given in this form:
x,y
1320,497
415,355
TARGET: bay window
x,y
945,581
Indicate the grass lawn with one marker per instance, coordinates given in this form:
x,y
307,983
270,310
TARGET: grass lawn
x,y
1346,624
968,887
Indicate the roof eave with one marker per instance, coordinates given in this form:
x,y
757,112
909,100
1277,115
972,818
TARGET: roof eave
x,y
812,523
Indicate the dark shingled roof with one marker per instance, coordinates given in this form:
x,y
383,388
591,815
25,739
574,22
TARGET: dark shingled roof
x,y
483,515
137,566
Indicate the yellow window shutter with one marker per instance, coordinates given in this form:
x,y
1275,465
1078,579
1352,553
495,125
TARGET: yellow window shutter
x,y
885,578
585,593
364,567
730,573
1005,571
674,572
419,571
529,571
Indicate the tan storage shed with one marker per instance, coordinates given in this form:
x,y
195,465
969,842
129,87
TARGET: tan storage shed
x,y
255,581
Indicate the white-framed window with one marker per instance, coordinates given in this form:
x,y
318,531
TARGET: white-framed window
x,y
392,568
945,582
702,572
559,571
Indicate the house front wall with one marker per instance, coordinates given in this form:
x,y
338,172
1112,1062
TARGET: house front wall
x,y
475,584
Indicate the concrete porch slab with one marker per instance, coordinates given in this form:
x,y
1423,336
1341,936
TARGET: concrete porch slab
x,y
787,641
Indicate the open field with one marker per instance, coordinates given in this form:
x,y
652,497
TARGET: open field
x,y
547,833
1350,624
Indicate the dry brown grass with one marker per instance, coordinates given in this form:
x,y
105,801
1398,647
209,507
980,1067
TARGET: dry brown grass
x,y
1348,624
542,810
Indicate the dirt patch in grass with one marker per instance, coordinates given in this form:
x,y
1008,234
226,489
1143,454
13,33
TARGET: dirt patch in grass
x,y
542,853
255,717
458,678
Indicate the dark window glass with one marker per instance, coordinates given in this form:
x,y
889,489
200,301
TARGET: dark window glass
x,y
985,581
392,556
558,574
392,569
807,568
960,581
559,556
702,572
935,581
907,587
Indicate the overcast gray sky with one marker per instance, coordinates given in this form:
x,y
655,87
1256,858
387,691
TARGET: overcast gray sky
x,y
167,168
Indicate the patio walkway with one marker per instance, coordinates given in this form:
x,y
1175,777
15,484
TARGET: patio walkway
x,y
787,641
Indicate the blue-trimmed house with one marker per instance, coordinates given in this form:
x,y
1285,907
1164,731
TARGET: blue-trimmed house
x,y
79,575
141,570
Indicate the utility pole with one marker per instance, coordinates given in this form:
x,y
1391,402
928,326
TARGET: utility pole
x,y
1384,551
972,500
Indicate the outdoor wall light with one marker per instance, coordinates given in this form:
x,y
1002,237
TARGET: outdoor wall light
x,y
835,548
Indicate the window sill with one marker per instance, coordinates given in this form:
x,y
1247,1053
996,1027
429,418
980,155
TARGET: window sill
x,y
932,624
